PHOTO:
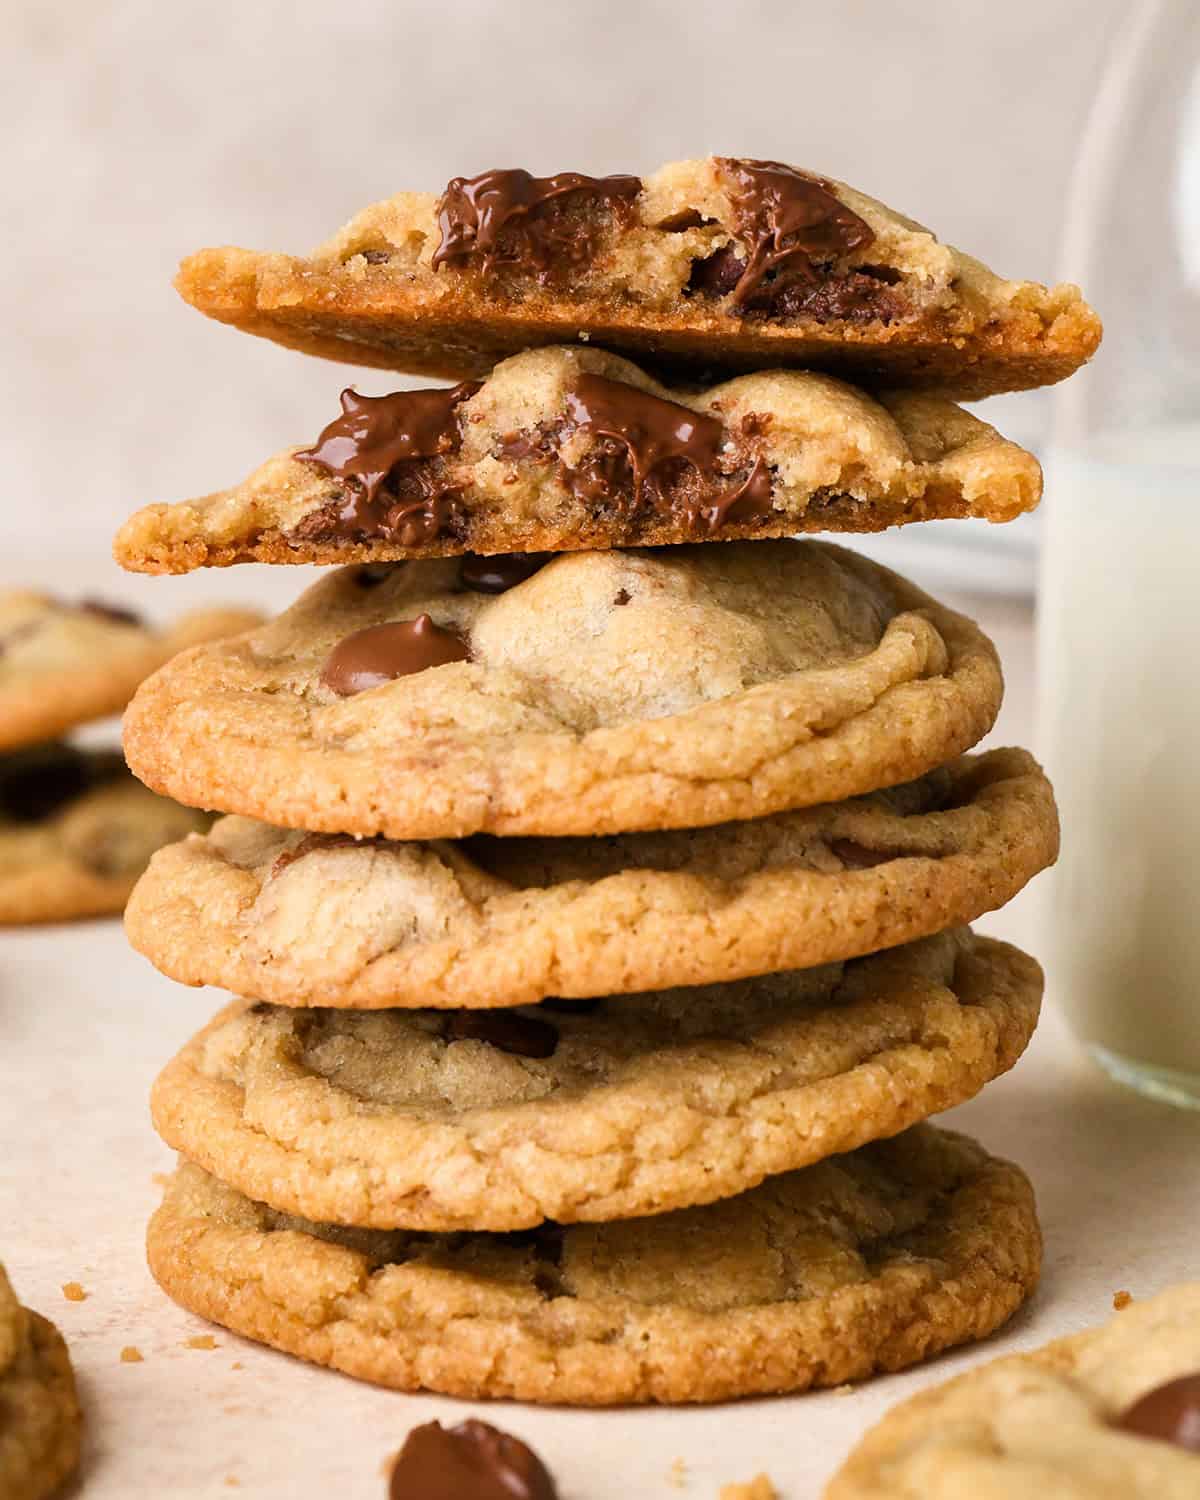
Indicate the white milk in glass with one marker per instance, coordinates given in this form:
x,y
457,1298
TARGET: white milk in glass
x,y
1119,689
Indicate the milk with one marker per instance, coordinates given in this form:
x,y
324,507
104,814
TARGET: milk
x,y
1119,701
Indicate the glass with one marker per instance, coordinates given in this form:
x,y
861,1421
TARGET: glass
x,y
1119,603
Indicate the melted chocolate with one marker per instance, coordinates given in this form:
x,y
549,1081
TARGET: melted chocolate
x,y
508,217
507,1030
310,843
787,220
1169,1413
37,781
473,1461
381,653
652,443
399,442
496,575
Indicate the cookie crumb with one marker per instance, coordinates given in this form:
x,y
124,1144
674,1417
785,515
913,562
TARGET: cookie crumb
x,y
200,1341
237,1365
843,1390
232,1481
1122,1300
160,1179
759,1488
131,1355
677,1474
73,1292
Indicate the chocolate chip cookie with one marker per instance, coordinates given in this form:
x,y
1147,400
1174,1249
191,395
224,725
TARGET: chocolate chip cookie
x,y
862,1263
39,1411
722,263
594,1109
606,692
63,664
562,449
325,919
76,831
1110,1414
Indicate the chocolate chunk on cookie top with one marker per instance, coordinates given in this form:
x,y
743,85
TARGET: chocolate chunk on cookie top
x,y
607,692
565,449
720,264
869,1261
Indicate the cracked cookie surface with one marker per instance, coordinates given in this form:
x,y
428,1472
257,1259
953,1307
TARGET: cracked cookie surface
x,y
607,692
311,919
523,463
63,664
704,265
76,831
595,1110
39,1410
1044,1423
862,1263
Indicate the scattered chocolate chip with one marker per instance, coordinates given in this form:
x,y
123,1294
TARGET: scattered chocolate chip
x,y
472,1461
507,1030
621,598
111,612
496,575
786,218
859,857
1170,1413
506,217
381,653
39,779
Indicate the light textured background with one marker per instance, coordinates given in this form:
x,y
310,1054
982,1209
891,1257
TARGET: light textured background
x,y
137,130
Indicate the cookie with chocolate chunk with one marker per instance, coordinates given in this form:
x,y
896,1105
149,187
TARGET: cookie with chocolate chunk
x,y
604,692
560,449
39,1410
1112,1413
76,831
722,264
63,664
590,1109
867,1262
325,919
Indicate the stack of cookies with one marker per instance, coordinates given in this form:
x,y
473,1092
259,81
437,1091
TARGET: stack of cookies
x,y
600,856
76,830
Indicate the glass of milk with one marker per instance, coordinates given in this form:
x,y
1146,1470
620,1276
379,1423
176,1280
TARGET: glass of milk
x,y
1119,603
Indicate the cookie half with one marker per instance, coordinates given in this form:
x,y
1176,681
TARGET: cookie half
x,y
76,831
721,263
590,1110
608,692
1109,1414
563,449
323,919
39,1410
64,664
866,1262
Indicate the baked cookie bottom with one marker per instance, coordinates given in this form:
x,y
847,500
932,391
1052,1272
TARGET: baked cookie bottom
x,y
863,1263
1045,1423
84,857
39,1411
301,919
632,1106
608,692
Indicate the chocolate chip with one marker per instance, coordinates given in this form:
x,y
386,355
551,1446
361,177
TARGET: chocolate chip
x,y
473,1461
1169,1413
622,598
381,653
717,274
111,612
506,1030
686,218
38,780
496,575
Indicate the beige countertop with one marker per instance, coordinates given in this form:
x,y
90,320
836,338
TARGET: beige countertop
x,y
84,1025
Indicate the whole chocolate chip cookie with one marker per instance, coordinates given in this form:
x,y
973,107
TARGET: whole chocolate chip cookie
x,y
1109,1414
607,692
565,449
39,1411
63,664
866,1262
76,831
590,1110
719,264
325,919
